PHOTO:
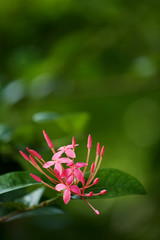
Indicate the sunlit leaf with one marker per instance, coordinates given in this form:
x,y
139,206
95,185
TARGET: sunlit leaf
x,y
32,198
15,180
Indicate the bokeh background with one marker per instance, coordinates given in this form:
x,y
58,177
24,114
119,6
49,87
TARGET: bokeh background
x,y
78,67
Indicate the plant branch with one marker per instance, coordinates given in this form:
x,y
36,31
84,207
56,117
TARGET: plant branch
x,y
42,204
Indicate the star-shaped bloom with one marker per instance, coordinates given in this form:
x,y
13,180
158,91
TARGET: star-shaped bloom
x,y
65,179
68,188
67,150
74,171
57,163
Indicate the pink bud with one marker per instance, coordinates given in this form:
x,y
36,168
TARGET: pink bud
x,y
33,160
102,151
24,155
96,180
103,192
98,148
50,144
97,212
83,180
34,153
73,143
92,167
28,149
90,194
89,144
35,177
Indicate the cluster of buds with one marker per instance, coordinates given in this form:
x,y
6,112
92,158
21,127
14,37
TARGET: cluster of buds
x,y
65,179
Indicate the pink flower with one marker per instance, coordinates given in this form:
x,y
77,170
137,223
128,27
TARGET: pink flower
x,y
74,171
67,150
66,180
68,188
57,163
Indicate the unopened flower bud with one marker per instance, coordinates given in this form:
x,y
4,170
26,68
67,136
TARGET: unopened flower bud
x,y
97,212
89,144
90,194
48,140
83,180
96,180
92,167
28,149
33,160
98,149
73,143
102,151
103,192
34,153
24,155
38,179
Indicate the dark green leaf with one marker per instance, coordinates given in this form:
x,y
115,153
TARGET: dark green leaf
x,y
15,180
117,183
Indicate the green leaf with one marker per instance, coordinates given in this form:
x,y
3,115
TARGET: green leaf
x,y
33,198
117,183
15,180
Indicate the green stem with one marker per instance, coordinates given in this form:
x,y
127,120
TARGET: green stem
x,y
42,204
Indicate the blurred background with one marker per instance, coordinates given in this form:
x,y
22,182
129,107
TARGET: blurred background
x,y
78,67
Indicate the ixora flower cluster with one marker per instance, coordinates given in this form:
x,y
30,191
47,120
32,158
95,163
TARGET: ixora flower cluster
x,y
65,179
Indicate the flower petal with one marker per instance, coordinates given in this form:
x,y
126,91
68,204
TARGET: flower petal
x,y
60,186
58,175
71,146
75,189
70,164
66,172
48,164
58,167
66,196
65,160
69,179
61,148
70,153
80,164
57,155
78,174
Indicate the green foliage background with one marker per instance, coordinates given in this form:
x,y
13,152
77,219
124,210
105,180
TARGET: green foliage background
x,y
78,67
